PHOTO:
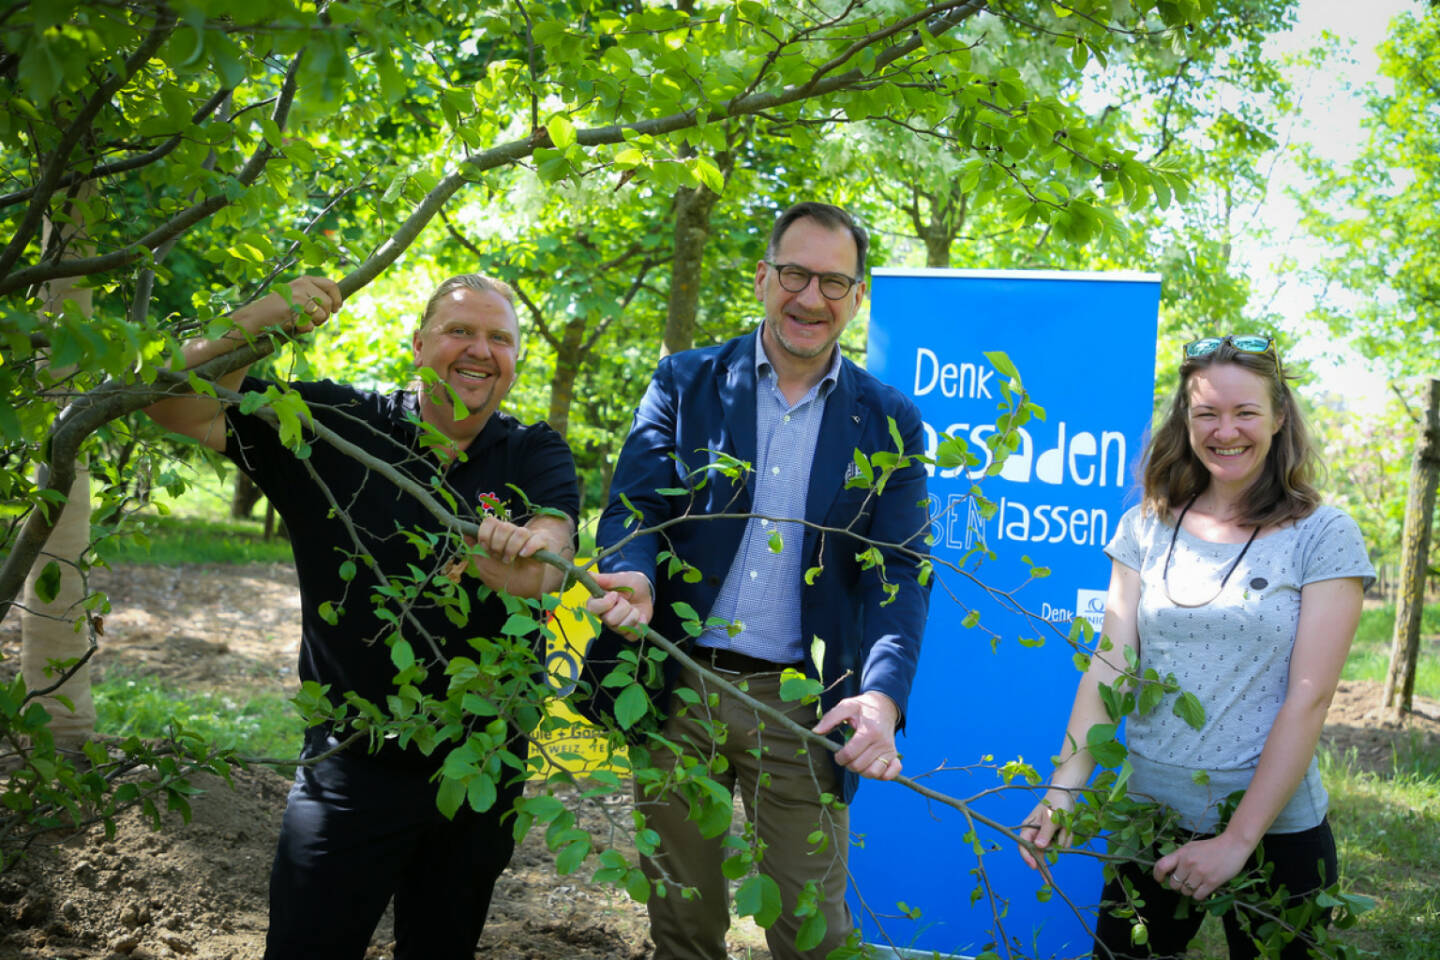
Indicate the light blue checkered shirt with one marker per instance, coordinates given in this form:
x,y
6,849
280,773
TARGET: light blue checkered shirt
x,y
762,589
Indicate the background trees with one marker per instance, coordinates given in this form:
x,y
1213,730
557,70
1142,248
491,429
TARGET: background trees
x,y
619,162
1380,218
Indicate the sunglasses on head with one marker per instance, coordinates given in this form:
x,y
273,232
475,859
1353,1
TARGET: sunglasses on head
x,y
1245,343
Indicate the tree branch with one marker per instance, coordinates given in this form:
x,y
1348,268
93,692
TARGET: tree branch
x,y
52,172
177,224
122,166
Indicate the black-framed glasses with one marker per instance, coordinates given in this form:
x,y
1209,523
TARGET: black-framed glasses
x,y
795,278
1244,342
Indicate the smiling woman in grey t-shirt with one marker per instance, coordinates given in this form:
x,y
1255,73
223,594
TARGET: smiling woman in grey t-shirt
x,y
1231,576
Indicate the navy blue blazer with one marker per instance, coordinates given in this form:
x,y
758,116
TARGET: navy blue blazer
x,y
703,400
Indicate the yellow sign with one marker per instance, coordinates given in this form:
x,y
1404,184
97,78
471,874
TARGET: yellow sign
x,y
574,744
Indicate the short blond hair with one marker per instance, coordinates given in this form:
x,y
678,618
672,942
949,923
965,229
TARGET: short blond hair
x,y
481,284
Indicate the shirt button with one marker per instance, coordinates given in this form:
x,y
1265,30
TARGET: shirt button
x,y
787,418
754,574
764,522
775,471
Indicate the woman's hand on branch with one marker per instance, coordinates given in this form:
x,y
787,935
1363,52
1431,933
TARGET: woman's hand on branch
x,y
1201,867
627,605
1042,829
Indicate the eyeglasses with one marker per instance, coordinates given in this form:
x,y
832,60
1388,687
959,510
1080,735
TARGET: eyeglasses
x,y
795,278
1245,343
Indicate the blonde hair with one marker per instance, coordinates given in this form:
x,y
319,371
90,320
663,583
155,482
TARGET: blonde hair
x,y
481,284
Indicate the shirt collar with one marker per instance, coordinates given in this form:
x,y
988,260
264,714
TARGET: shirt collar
x,y
764,368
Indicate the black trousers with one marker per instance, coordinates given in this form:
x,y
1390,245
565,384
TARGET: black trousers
x,y
359,831
1303,863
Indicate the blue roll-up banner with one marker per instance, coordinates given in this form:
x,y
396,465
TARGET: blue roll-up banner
x,y
1084,346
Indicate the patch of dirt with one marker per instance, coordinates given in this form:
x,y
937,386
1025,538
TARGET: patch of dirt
x,y
1358,724
198,890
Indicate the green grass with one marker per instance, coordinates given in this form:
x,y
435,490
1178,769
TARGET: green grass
x,y
1370,654
1388,829
173,540
131,704
1377,625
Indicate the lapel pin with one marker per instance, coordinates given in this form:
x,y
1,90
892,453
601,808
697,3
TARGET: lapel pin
x,y
855,417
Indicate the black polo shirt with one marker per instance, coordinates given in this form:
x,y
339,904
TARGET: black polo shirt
x,y
402,537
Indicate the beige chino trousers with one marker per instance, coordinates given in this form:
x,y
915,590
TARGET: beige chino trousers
x,y
780,782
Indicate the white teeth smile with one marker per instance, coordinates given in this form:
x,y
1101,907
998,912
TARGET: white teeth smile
x,y
1230,452
473,375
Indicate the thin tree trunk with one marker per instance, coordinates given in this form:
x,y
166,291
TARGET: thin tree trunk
x,y
244,497
1415,553
567,368
48,629
693,207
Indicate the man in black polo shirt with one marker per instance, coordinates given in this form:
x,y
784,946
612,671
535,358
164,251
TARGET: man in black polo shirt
x,y
362,825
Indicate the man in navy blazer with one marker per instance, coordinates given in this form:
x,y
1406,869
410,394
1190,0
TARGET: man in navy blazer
x,y
807,595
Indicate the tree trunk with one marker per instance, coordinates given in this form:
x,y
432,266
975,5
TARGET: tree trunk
x,y
937,247
48,630
567,368
244,497
1415,554
947,219
692,231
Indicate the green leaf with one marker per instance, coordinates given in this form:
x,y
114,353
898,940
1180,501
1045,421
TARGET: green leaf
x,y
630,706
817,654
1000,360
481,793
759,897
1107,751
519,625
47,585
1150,696
449,797
562,132
811,932
1189,708
402,655
798,688
571,856
9,422
637,885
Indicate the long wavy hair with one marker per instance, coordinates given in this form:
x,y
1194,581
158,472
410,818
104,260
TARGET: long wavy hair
x,y
1284,490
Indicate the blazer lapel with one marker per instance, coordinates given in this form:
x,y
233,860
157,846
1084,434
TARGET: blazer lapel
x,y
736,388
840,432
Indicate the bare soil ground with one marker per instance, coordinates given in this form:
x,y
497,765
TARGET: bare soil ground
x,y
199,890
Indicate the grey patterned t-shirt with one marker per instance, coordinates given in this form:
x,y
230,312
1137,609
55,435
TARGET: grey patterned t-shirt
x,y
1233,653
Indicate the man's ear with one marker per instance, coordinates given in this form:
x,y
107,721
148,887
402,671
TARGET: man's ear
x,y
760,273
416,342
